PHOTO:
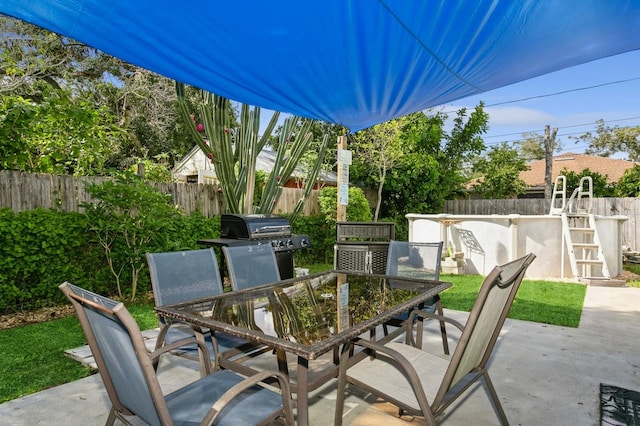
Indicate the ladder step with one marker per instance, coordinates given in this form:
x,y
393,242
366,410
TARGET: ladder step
x,y
585,230
588,262
590,246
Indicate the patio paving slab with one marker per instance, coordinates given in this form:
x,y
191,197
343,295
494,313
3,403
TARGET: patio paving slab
x,y
544,374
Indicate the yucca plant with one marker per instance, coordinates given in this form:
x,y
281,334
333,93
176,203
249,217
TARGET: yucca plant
x,y
233,151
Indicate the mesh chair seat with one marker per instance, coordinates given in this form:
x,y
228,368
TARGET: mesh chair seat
x,y
251,265
181,276
424,384
192,402
420,261
128,373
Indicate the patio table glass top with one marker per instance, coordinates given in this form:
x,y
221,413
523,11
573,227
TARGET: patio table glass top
x,y
308,315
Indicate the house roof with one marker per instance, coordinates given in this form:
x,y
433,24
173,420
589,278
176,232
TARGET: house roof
x,y
610,167
196,160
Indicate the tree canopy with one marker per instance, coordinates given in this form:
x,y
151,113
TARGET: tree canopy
x,y
607,141
43,68
500,173
431,167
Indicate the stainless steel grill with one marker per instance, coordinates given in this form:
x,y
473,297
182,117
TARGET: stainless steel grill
x,y
262,229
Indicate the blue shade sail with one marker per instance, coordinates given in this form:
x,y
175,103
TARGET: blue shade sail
x,y
349,62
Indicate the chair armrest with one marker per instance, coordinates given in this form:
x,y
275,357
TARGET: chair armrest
x,y
424,314
398,361
205,365
237,389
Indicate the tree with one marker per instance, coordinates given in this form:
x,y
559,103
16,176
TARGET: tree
x,y
610,140
56,135
532,146
126,220
432,167
629,183
310,159
500,171
600,186
379,147
37,64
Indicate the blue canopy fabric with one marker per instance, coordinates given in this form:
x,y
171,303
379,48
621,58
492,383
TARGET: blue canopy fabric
x,y
350,62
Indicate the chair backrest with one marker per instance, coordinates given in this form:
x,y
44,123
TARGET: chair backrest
x,y
251,265
120,353
485,321
180,276
415,260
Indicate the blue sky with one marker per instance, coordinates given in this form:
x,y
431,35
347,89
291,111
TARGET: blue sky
x,y
573,113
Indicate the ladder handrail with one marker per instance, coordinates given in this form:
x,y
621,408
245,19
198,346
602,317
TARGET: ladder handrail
x,y
559,210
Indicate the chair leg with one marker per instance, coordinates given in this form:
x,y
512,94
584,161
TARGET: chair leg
x,y
342,383
443,329
493,396
112,417
283,365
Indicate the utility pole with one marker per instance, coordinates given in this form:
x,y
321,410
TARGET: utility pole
x,y
549,145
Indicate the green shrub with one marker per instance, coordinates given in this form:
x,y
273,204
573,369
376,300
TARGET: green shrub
x,y
358,209
323,236
40,249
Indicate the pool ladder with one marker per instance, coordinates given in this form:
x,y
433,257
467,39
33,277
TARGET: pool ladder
x,y
579,232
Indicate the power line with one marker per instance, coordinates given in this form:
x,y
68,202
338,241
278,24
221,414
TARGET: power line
x,y
562,127
563,92
514,141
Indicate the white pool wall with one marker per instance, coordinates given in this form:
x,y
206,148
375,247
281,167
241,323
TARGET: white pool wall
x,y
489,240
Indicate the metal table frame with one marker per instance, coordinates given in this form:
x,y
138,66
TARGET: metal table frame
x,y
305,353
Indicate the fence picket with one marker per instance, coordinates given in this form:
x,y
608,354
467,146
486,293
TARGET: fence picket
x,y
28,191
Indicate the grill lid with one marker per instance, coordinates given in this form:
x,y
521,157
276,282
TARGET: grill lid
x,y
250,226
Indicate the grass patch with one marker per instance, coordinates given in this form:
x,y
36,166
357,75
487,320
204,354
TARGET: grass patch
x,y
635,268
33,356
547,302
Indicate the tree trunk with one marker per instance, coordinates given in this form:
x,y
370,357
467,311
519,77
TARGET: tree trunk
x,y
383,175
549,146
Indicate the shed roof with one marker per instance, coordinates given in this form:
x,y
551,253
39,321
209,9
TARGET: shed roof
x,y
196,160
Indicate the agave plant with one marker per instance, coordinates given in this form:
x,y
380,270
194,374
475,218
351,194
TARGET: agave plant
x,y
233,151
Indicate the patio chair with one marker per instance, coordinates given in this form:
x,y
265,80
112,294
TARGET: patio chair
x,y
251,265
424,384
422,261
182,276
127,371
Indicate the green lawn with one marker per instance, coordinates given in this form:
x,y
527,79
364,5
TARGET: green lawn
x,y
32,356
33,359
548,302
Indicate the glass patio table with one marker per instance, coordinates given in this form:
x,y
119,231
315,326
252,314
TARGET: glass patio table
x,y
308,316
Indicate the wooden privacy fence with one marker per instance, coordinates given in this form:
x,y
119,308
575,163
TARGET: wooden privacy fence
x,y
629,207
21,191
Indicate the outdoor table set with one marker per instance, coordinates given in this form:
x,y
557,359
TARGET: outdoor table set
x,y
307,317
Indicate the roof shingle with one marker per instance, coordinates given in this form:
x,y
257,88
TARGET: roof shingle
x,y
612,168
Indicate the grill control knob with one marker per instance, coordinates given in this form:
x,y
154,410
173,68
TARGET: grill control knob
x,y
289,243
304,242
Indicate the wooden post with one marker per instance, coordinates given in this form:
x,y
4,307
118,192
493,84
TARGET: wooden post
x,y
343,170
341,216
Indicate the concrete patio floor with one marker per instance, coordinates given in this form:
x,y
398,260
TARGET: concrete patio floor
x,y
544,374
